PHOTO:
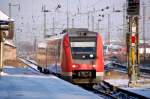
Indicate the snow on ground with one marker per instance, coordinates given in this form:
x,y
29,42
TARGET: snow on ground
x,y
22,83
142,89
118,82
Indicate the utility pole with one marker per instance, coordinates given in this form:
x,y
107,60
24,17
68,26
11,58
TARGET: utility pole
x,y
53,26
44,14
67,15
98,27
133,42
124,22
108,40
144,33
44,30
92,22
88,20
44,11
10,12
35,47
72,22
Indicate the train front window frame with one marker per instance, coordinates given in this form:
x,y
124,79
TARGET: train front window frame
x,y
82,44
83,48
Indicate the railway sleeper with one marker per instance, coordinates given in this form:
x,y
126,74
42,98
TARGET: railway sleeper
x,y
105,88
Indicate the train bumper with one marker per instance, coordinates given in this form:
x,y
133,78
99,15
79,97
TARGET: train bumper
x,y
87,80
83,77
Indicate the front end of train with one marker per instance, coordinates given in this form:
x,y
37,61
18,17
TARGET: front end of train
x,y
86,61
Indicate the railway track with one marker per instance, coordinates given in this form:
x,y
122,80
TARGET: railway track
x,y
144,72
101,90
108,91
124,68
120,93
100,93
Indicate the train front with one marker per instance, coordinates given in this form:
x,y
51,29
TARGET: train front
x,y
87,57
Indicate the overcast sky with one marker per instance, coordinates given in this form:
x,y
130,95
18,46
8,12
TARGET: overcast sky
x,y
29,18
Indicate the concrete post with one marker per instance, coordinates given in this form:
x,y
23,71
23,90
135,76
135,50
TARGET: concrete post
x,y
1,50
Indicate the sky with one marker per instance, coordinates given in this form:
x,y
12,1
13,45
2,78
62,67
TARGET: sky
x,y
29,17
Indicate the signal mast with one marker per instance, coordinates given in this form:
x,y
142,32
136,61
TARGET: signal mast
x,y
133,41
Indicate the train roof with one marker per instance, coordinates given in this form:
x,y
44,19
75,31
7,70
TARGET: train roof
x,y
74,30
80,32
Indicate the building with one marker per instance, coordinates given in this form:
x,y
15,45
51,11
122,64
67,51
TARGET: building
x,y
10,55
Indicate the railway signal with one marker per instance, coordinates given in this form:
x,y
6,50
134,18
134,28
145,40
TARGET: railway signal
x,y
132,42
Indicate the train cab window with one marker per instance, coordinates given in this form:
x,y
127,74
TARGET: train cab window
x,y
83,53
83,48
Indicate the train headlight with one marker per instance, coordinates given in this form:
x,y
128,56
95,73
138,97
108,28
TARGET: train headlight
x,y
94,65
83,56
91,55
73,66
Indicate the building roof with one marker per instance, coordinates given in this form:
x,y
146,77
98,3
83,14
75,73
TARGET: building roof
x,y
4,17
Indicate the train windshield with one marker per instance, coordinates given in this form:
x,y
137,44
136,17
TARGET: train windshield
x,y
83,48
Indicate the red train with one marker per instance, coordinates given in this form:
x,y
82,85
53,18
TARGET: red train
x,y
77,55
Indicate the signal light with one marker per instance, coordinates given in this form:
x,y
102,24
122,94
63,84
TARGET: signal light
x,y
133,39
91,55
94,65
